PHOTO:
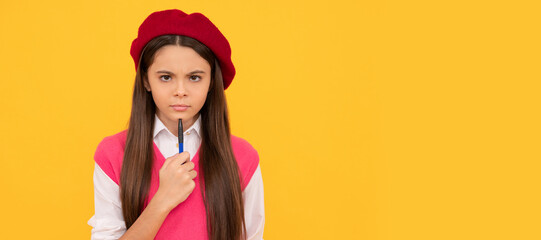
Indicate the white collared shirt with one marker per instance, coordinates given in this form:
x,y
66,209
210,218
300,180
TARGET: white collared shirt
x,y
108,221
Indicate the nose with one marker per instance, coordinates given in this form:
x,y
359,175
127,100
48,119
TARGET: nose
x,y
180,89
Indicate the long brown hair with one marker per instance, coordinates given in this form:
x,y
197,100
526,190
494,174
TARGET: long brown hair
x,y
218,169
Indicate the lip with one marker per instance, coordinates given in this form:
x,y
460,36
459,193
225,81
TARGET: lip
x,y
180,107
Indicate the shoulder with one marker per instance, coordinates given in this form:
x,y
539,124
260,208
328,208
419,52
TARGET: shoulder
x,y
109,154
112,143
247,158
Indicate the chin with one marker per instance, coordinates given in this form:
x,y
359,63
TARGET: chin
x,y
182,115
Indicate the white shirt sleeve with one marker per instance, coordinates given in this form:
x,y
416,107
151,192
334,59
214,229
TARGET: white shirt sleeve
x,y
108,221
254,207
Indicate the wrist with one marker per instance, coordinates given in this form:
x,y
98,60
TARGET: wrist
x,y
157,203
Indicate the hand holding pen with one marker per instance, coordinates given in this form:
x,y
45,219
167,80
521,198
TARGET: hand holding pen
x,y
176,177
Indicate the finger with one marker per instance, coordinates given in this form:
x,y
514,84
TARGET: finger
x,y
188,166
169,160
181,158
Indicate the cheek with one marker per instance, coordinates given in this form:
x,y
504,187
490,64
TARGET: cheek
x,y
160,96
201,98
201,93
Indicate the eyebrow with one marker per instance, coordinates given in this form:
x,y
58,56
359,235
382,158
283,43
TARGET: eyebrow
x,y
171,73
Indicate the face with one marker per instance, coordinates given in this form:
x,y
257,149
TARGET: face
x,y
179,81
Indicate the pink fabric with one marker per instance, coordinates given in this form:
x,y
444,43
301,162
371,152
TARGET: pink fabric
x,y
188,219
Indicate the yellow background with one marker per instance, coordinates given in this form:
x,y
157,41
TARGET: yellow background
x,y
373,119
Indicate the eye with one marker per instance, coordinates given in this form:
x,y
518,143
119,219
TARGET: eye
x,y
165,78
195,78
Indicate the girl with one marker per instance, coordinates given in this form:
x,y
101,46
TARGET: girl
x,y
145,189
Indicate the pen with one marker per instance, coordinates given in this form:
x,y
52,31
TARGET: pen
x,y
180,137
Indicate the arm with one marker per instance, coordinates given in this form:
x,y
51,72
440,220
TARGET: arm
x,y
254,206
149,222
176,183
107,222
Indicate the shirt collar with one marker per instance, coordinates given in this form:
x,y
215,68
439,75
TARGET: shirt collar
x,y
159,126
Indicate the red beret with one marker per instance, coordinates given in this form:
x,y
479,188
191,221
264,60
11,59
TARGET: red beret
x,y
194,25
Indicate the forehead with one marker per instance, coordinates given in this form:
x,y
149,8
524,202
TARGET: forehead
x,y
178,59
